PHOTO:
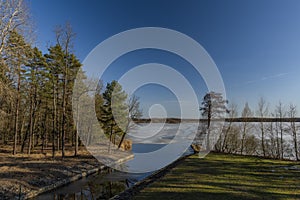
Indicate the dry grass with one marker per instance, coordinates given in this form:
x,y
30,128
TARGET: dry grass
x,y
22,173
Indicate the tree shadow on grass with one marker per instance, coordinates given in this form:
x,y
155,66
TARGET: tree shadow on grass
x,y
226,177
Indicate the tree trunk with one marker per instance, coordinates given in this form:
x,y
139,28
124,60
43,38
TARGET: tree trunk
x,y
30,126
63,130
277,141
44,130
262,129
53,121
16,130
263,143
76,130
296,146
294,132
122,138
224,145
243,138
281,140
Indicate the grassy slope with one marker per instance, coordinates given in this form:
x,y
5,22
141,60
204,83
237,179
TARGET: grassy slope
x,y
220,176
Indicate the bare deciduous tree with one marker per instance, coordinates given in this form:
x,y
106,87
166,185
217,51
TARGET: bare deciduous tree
x,y
245,125
226,140
292,115
13,15
280,114
134,112
262,112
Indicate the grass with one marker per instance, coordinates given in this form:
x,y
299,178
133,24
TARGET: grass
x,y
221,176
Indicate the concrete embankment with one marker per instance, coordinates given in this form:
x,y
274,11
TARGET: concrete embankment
x,y
68,180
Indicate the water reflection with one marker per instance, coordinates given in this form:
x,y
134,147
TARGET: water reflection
x,y
98,186
103,191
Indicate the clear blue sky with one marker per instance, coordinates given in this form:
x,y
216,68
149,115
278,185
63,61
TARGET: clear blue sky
x,y
254,43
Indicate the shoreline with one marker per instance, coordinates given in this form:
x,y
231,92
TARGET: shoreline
x,y
26,176
72,179
140,185
202,120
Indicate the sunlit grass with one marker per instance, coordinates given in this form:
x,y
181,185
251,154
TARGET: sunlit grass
x,y
220,176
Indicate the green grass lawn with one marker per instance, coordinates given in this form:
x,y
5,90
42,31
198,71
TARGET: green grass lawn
x,y
219,176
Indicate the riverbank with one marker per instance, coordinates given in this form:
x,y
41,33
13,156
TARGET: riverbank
x,y
220,176
23,176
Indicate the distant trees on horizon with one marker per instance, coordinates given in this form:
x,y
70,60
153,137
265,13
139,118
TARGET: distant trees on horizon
x,y
262,136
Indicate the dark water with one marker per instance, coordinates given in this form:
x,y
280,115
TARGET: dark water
x,y
145,148
105,184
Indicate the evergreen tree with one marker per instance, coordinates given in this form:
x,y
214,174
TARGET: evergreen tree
x,y
55,62
18,54
114,111
35,76
213,108
63,67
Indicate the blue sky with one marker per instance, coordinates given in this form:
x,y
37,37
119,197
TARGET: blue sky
x,y
254,43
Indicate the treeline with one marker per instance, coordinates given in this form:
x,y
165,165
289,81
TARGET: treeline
x,y
262,132
36,92
36,98
238,119
36,89
265,119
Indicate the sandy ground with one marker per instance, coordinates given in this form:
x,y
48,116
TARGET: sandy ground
x,y
21,174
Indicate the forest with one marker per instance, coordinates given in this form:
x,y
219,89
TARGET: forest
x,y
36,88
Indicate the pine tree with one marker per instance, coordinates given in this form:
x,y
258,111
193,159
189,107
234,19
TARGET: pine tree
x,y
213,107
63,68
55,61
134,113
35,76
18,53
114,111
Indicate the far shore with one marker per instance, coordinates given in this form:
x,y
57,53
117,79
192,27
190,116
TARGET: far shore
x,y
238,119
